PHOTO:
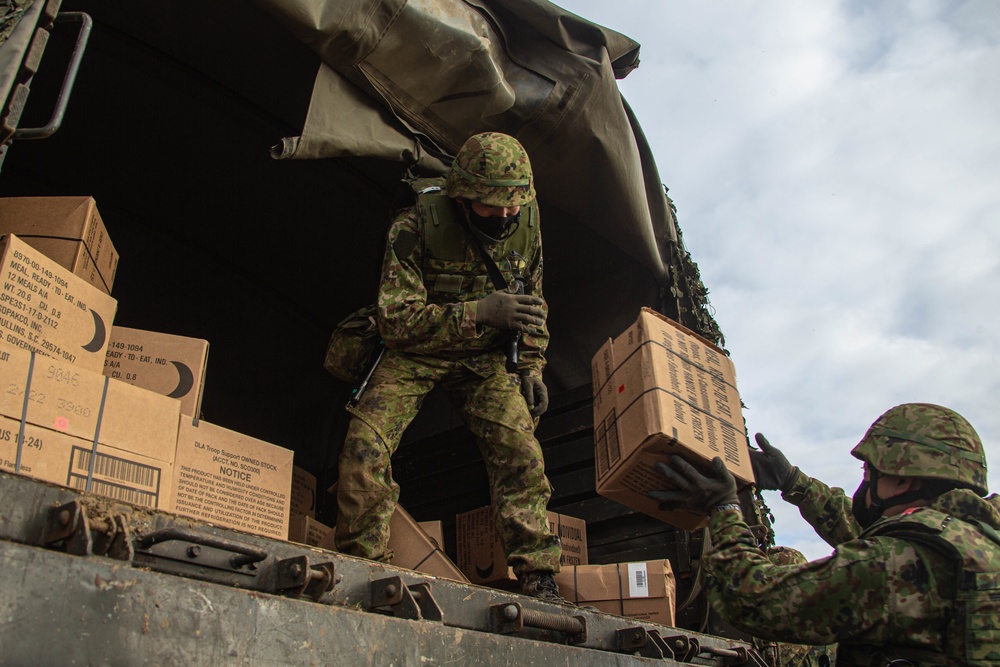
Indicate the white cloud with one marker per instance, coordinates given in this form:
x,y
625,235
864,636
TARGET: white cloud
x,y
835,170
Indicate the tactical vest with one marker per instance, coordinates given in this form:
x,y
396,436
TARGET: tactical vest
x,y
972,636
448,274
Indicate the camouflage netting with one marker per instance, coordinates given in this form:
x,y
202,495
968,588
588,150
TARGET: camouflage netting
x,y
690,296
694,310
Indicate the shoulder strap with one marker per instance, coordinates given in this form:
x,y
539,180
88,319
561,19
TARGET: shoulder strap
x,y
496,277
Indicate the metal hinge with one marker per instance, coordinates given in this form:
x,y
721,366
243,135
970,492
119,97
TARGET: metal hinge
x,y
188,553
414,602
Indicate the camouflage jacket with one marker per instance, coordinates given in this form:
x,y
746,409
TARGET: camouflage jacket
x,y
432,277
883,593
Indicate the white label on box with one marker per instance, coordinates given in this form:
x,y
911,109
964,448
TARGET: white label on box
x,y
638,582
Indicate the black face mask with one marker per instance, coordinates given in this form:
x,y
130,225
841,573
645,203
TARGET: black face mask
x,y
494,228
865,516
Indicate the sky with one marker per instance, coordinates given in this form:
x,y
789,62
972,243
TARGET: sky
x,y
836,172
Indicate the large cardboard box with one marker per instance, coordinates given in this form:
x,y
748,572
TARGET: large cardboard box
x,y
435,531
231,479
59,458
69,230
307,530
659,389
642,590
167,364
415,550
303,501
481,556
412,548
47,309
56,415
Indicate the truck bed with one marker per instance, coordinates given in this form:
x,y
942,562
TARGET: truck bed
x,y
86,580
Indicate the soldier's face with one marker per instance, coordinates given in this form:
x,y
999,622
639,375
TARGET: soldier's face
x,y
485,211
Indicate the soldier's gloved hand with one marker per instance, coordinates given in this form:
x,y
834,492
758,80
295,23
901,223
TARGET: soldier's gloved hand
x,y
770,467
536,395
690,490
516,312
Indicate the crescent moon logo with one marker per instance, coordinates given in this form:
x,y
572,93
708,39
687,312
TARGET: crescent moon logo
x,y
100,334
484,573
185,380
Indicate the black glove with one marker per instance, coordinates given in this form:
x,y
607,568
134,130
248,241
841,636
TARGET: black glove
x,y
770,467
690,490
515,312
536,395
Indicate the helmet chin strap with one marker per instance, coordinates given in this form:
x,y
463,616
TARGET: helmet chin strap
x,y
881,505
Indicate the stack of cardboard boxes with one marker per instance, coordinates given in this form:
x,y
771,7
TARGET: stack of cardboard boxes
x,y
107,409
643,590
662,390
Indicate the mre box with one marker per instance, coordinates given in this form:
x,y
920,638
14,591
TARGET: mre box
x,y
411,547
435,531
480,552
47,309
415,550
167,364
57,416
307,530
59,458
231,479
642,590
68,230
659,390
303,501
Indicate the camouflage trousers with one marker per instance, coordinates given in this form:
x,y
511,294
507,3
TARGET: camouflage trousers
x,y
495,412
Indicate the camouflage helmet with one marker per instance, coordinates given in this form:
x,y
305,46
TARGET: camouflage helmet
x,y
927,441
492,168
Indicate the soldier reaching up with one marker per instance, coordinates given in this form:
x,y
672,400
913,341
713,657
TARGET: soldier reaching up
x,y
914,578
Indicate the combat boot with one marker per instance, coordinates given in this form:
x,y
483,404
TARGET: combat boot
x,y
540,584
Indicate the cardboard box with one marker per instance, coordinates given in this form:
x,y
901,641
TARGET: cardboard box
x,y
435,531
231,479
659,389
307,530
412,548
303,493
57,412
68,230
167,364
642,590
59,458
415,550
46,309
481,555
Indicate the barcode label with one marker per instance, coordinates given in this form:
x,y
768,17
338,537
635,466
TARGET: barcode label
x,y
115,477
638,582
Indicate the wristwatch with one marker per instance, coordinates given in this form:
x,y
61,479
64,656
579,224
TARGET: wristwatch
x,y
727,506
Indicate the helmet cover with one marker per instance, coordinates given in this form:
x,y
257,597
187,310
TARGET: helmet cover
x,y
926,441
493,169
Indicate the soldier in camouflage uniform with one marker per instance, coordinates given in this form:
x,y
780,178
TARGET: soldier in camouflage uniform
x,y
914,578
445,324
798,655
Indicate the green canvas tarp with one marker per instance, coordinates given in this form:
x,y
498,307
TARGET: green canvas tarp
x,y
410,81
